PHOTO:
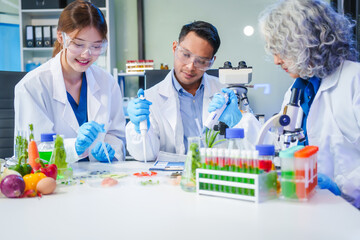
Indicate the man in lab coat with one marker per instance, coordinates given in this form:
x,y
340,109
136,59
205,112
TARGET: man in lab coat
x,y
176,108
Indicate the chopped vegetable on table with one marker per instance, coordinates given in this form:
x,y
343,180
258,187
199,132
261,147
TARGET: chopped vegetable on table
x,y
149,182
113,175
145,174
109,182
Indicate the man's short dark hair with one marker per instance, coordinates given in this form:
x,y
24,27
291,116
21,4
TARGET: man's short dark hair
x,y
204,30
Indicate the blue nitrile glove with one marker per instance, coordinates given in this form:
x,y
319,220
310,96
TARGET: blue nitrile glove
x,y
99,153
325,182
231,115
87,134
138,110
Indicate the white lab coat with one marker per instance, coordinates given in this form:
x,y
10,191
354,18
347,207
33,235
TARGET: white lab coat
x,y
333,124
166,131
41,99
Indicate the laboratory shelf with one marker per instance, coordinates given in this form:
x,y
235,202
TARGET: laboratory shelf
x,y
50,17
38,49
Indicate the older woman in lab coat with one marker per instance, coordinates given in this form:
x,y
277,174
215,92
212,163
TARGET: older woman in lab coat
x,y
314,45
70,96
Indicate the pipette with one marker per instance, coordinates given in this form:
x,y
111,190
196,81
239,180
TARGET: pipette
x,y
143,131
102,139
214,116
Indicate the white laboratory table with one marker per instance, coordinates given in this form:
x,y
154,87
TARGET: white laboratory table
x,y
130,210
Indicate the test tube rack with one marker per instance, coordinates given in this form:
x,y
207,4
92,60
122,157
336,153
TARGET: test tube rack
x,y
245,186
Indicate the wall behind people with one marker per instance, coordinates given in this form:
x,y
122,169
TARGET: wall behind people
x,y
9,36
163,21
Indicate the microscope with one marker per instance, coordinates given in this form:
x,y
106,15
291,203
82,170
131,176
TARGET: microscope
x,y
236,79
284,125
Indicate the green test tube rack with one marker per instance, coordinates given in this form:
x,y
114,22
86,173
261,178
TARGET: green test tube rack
x,y
257,188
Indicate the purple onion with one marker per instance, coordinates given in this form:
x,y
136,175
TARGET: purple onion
x,y
12,186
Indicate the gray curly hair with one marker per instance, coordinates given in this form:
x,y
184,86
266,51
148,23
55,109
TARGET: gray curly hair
x,y
309,35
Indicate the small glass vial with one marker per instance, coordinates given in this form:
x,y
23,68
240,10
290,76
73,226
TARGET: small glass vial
x,y
266,157
46,146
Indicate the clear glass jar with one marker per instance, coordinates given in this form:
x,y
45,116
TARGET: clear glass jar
x,y
46,146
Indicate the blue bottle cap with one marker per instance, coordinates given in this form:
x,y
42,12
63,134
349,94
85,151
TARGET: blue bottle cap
x,y
265,149
47,137
234,133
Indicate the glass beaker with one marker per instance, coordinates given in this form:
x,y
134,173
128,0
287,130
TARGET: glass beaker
x,y
193,161
58,157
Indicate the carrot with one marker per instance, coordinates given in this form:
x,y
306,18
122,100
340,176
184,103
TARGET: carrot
x,y
34,158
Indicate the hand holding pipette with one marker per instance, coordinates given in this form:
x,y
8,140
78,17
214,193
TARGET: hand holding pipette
x,y
223,108
87,134
103,152
139,111
143,130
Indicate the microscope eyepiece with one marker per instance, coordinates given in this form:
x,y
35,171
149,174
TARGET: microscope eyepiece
x,y
242,64
227,64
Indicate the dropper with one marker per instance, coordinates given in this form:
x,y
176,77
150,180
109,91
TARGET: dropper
x,y
143,131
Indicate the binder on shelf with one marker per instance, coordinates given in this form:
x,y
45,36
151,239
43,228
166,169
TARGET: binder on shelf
x,y
29,36
47,36
53,34
39,36
98,3
42,4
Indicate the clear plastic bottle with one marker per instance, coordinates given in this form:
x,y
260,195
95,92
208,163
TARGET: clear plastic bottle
x,y
235,138
46,146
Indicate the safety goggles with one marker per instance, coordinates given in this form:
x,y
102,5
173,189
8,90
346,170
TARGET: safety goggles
x,y
186,57
77,46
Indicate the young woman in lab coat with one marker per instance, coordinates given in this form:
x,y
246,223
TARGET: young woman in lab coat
x,y
71,96
314,45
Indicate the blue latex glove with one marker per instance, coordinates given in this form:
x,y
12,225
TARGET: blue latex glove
x,y
139,110
87,134
99,153
325,182
231,115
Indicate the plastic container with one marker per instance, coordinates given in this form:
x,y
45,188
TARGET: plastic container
x,y
46,146
266,157
235,138
288,185
305,171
